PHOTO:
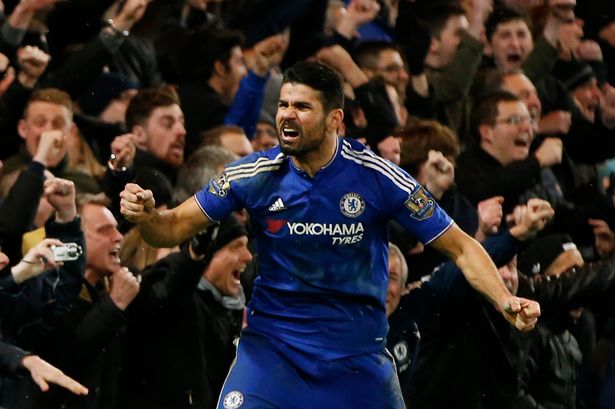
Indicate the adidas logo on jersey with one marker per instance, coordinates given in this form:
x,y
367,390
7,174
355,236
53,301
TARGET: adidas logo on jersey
x,y
277,205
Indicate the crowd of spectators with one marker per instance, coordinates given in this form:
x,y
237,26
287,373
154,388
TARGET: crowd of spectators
x,y
499,108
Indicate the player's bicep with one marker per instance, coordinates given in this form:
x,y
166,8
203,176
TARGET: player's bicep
x,y
450,243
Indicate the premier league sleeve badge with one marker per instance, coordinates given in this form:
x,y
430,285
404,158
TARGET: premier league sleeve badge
x,y
219,185
420,204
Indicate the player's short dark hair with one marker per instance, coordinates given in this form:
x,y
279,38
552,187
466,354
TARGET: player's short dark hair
x,y
504,14
148,99
319,77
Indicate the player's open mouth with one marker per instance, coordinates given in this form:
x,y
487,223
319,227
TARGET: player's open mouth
x,y
289,130
290,133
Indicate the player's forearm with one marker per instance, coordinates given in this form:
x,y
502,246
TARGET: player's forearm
x,y
168,228
481,273
161,229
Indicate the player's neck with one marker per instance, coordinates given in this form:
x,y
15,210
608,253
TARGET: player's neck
x,y
313,161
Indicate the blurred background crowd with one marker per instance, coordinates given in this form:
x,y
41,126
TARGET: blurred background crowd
x,y
496,107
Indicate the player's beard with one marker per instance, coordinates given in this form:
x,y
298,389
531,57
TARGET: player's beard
x,y
307,141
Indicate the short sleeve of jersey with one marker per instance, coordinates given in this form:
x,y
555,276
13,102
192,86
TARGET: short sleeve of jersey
x,y
217,199
414,208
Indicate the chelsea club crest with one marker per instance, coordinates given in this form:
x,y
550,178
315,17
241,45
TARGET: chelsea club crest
x,y
352,205
233,400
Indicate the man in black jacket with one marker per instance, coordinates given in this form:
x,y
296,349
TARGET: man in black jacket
x,y
549,378
84,340
475,358
191,307
14,361
38,288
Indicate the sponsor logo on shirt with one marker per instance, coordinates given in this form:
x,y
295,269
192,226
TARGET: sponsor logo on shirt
x,y
420,204
340,233
274,226
352,205
277,206
325,229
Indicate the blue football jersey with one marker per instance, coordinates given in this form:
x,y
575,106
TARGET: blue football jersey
x,y
322,242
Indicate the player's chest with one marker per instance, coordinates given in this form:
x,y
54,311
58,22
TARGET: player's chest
x,y
340,213
315,199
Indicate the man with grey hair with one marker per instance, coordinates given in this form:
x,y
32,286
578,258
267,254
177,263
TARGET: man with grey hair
x,y
398,277
403,337
198,170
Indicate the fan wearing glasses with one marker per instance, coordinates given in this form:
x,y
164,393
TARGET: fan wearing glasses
x,y
500,163
507,137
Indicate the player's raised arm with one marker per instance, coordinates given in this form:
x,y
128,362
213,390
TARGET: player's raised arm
x,y
161,228
481,273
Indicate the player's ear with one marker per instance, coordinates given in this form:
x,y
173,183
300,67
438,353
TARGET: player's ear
x,y
335,120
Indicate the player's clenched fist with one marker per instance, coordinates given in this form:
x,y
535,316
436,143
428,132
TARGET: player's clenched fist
x,y
522,313
136,204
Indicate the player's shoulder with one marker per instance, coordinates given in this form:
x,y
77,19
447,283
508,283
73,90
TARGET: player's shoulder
x,y
254,164
353,144
355,152
360,155
260,156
